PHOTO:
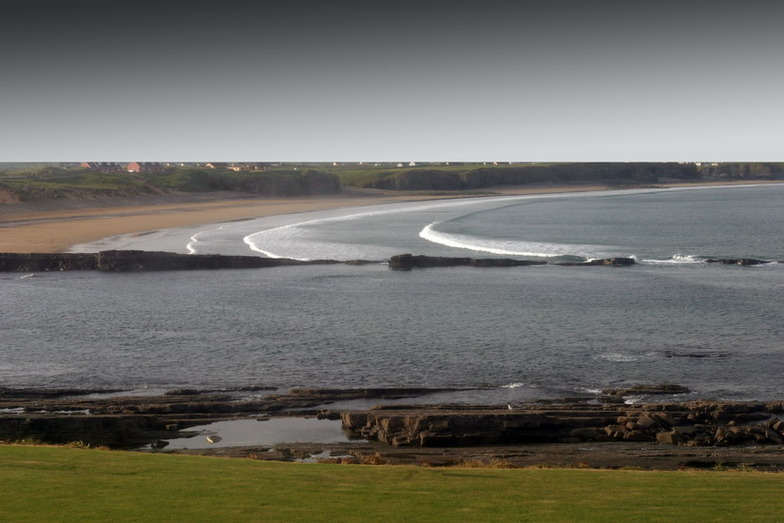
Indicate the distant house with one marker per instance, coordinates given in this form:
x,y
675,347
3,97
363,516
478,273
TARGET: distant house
x,y
216,165
144,167
247,166
103,167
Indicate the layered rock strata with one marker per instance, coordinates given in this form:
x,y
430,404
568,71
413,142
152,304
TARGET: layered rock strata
x,y
693,423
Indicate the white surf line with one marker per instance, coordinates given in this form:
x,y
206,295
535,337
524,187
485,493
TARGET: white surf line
x,y
471,243
251,239
190,246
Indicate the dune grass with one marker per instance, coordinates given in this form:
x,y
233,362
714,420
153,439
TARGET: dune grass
x,y
66,484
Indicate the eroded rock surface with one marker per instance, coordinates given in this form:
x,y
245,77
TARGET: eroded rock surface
x,y
696,423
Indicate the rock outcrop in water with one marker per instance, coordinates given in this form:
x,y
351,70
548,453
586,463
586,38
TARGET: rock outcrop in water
x,y
407,262
137,261
737,261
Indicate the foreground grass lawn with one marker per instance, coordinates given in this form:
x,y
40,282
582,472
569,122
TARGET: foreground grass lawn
x,y
64,484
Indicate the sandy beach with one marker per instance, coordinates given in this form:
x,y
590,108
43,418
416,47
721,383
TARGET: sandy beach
x,y
55,231
25,229
28,230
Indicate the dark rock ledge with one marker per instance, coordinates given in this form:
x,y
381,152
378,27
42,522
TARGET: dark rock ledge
x,y
696,423
106,417
406,262
126,421
138,261
608,434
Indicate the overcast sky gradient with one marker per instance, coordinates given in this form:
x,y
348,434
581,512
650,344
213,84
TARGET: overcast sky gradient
x,y
337,81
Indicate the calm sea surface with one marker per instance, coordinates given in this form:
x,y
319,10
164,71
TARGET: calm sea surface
x,y
518,333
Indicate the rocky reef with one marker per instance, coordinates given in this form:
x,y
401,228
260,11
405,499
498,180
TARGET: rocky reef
x,y
111,418
697,423
737,261
602,432
407,262
137,261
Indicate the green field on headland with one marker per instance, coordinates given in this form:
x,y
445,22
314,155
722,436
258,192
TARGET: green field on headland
x,y
69,484
31,182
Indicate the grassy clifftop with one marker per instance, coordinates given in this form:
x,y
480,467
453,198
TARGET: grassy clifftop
x,y
479,176
47,181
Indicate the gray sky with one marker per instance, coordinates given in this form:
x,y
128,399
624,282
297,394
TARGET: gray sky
x,y
339,81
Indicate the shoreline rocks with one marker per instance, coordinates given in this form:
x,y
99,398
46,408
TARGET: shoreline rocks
x,y
114,420
695,423
138,261
407,262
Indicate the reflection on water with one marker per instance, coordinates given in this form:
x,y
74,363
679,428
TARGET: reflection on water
x,y
262,431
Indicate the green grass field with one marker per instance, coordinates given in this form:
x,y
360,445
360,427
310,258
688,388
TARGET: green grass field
x,y
67,484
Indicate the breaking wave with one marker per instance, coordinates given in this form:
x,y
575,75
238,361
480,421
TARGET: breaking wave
x,y
677,259
510,248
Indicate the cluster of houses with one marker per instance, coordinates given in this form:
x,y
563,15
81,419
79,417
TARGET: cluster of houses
x,y
156,167
116,167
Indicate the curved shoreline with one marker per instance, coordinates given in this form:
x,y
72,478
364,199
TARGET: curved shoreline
x,y
26,230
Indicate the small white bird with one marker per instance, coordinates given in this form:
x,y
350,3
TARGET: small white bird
x,y
509,406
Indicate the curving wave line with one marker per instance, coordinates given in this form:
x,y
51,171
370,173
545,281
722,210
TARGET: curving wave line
x,y
256,239
191,245
533,249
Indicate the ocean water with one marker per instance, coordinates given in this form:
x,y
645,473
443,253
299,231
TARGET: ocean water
x,y
512,334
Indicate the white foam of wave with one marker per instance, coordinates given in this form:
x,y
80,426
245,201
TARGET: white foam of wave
x,y
508,248
287,237
619,357
191,245
589,390
515,385
677,259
